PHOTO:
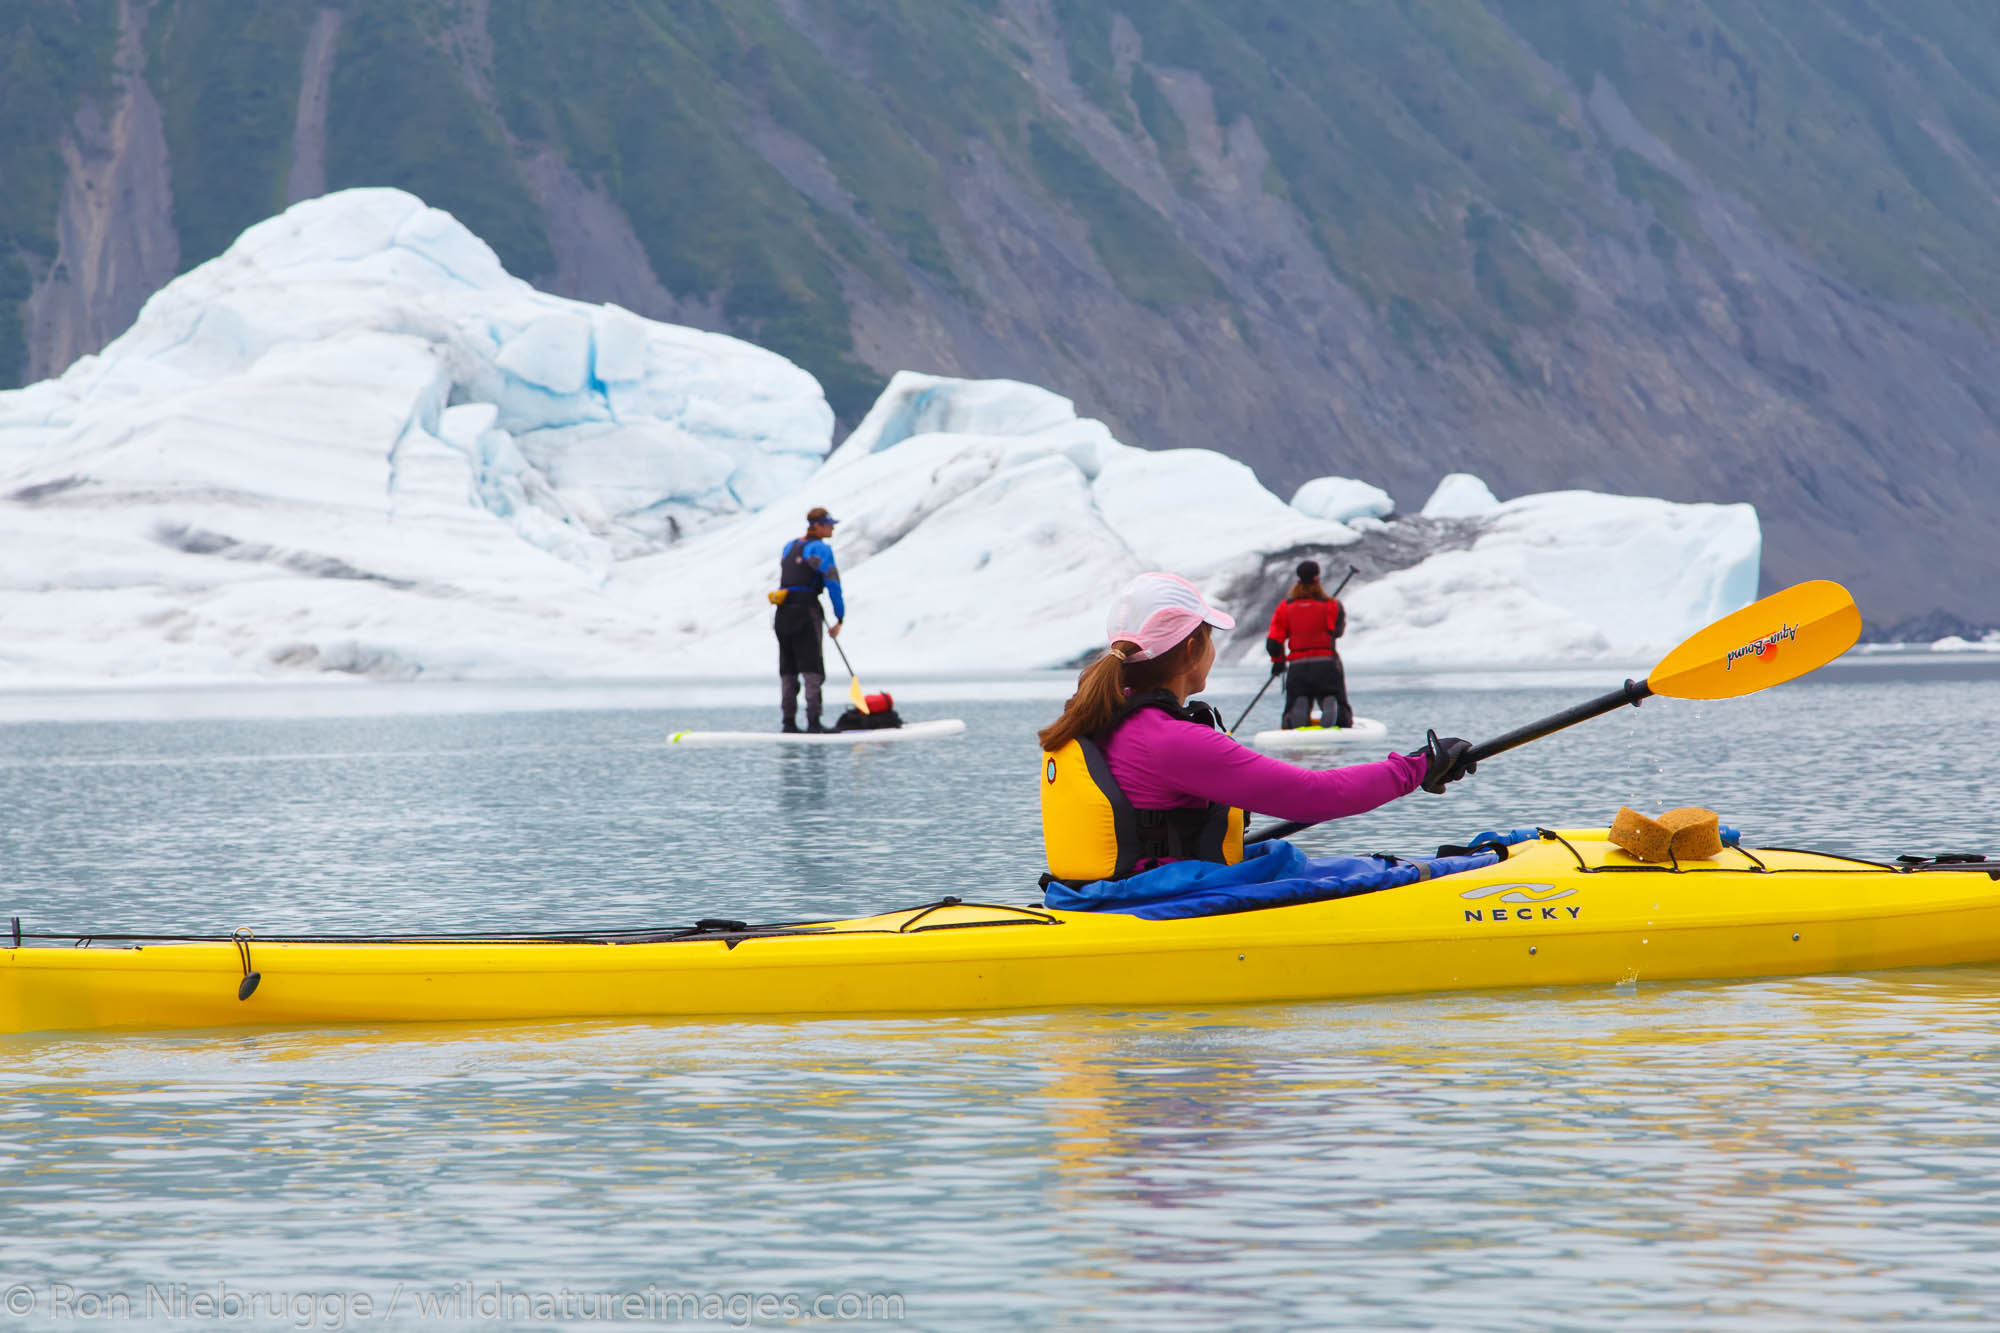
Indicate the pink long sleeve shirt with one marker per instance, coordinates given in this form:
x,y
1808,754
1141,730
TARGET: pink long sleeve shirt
x,y
1163,763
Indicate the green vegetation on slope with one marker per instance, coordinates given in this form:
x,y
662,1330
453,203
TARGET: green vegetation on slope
x,y
942,73
1866,132
1507,276
653,101
941,70
53,53
1086,30
1386,124
399,115
635,101
1389,122
888,181
1163,125
227,80
1135,244
1644,183
769,152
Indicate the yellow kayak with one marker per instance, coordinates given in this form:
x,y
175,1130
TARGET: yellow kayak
x,y
1566,909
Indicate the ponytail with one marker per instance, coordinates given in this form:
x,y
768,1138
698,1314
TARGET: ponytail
x,y
1303,591
1102,687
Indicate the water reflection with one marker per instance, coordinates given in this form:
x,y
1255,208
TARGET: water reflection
x,y
1768,1142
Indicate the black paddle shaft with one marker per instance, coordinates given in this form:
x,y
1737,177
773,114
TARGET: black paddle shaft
x,y
1633,692
843,655
842,651
1253,703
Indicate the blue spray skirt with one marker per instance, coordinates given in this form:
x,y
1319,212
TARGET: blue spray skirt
x,y
1271,874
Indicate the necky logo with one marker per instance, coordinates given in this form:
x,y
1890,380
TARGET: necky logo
x,y
1762,648
1535,896
1520,893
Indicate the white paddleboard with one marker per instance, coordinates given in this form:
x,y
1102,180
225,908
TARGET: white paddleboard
x,y
910,731
1321,738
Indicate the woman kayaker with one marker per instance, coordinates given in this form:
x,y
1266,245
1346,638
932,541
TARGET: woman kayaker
x,y
1301,644
1135,777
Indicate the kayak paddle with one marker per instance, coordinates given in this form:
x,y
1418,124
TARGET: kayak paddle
x,y
1351,572
853,684
1768,642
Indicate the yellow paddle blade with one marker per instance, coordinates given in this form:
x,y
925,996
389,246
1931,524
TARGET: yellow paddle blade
x,y
1766,643
854,693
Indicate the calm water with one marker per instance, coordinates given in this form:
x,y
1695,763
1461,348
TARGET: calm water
x,y
1791,1154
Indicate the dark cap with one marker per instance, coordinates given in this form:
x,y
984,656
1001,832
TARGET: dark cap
x,y
1309,571
818,515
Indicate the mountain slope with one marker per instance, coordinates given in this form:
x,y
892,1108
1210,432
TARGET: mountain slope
x,y
1725,250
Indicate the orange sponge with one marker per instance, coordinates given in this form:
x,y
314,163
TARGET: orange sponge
x,y
1697,833
1687,834
1647,839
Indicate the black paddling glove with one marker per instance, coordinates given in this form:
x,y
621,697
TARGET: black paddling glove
x,y
1444,762
1277,666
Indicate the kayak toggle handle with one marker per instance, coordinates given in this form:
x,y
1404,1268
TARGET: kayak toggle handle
x,y
240,937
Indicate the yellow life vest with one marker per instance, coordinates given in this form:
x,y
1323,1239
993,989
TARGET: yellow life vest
x,y
1091,831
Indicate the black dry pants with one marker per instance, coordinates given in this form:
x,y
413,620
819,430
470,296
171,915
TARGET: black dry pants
x,y
801,653
1308,684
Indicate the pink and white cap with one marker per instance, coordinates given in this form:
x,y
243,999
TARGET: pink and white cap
x,y
1157,611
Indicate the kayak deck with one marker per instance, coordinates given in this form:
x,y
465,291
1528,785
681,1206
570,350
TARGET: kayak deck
x,y
1564,910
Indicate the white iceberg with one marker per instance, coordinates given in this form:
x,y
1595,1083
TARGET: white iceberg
x,y
354,428
1958,643
1460,495
1342,500
324,347
1566,576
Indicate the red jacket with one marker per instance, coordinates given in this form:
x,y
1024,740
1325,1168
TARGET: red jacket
x,y
1309,626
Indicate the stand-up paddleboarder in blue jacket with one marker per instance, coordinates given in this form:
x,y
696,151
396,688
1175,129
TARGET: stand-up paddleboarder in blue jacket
x,y
805,567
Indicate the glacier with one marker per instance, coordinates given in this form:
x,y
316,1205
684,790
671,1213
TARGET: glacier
x,y
353,444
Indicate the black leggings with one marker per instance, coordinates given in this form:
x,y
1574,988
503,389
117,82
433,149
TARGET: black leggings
x,y
1308,684
801,647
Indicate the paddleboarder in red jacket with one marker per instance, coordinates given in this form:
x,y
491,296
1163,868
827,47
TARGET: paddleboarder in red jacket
x,y
1300,642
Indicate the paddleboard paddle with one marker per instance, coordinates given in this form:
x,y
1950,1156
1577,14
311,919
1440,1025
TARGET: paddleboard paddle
x,y
853,682
1253,703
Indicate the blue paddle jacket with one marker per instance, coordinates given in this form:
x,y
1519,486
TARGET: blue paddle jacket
x,y
819,555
